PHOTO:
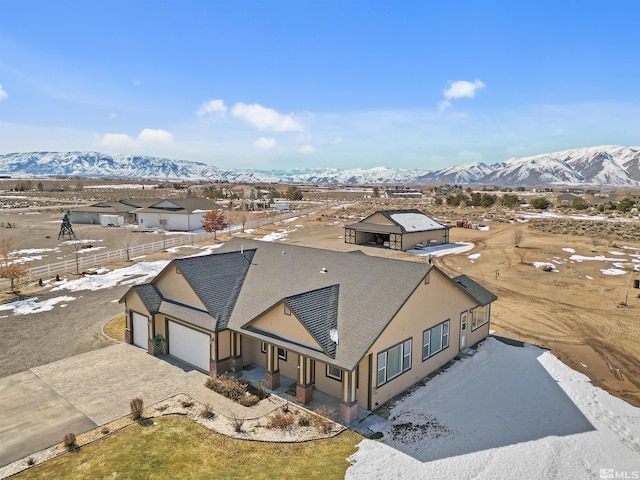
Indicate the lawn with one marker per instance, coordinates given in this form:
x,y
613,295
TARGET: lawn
x,y
115,328
177,447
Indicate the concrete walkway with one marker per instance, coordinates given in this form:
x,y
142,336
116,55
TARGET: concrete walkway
x,y
76,394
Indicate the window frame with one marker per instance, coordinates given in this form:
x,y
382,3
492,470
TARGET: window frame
x,y
445,334
263,349
475,318
330,375
385,368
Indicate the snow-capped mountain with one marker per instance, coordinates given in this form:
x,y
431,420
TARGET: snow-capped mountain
x,y
604,165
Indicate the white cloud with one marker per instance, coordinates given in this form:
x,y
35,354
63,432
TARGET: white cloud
x,y
211,107
307,150
264,118
265,143
113,115
3,93
155,136
117,140
460,89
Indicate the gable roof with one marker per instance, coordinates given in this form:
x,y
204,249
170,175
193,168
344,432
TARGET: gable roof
x,y
477,291
318,312
304,277
181,205
149,296
404,221
216,279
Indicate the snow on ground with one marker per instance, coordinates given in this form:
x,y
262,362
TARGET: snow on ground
x,y
289,220
569,250
484,228
444,249
279,235
506,412
31,305
612,271
545,264
597,258
473,256
138,273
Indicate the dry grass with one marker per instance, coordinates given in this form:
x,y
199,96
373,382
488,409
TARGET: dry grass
x,y
175,445
115,328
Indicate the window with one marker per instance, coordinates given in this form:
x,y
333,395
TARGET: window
x,y
479,316
334,372
394,361
435,340
463,321
282,353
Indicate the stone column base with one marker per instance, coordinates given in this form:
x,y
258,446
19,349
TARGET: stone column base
x,y
127,336
272,380
304,393
349,413
235,364
150,347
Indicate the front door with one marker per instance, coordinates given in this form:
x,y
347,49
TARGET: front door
x,y
463,330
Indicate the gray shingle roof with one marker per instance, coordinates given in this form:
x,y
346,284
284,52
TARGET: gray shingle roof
x,y
318,312
149,296
216,279
404,221
367,299
477,291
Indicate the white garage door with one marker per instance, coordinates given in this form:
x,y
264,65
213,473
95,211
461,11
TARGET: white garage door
x,y
140,330
189,345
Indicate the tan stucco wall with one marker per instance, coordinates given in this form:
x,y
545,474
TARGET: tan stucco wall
x,y
363,382
224,344
251,352
326,384
429,305
133,303
286,326
379,219
289,368
173,286
474,336
409,240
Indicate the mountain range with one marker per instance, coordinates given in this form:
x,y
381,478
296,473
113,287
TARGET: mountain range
x,y
608,165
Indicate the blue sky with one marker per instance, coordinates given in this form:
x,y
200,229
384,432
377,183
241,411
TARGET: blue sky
x,y
284,84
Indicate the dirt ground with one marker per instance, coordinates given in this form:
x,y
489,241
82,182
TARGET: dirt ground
x,y
575,312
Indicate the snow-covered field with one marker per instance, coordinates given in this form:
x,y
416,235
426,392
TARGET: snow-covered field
x,y
506,412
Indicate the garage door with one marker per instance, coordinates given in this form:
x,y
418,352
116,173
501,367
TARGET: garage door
x,y
189,345
140,330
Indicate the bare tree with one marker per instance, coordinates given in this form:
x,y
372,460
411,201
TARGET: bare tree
x,y
10,268
128,240
73,247
517,236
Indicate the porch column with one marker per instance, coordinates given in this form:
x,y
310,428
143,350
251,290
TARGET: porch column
x,y
236,352
272,375
304,387
213,354
150,332
349,405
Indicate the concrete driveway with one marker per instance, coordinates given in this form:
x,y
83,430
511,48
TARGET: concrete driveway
x,y
39,406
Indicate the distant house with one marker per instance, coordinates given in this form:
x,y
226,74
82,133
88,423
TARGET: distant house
x,y
397,230
402,194
92,214
566,199
311,319
184,214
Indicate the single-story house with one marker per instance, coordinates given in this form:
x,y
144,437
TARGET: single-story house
x,y
92,214
359,328
402,194
183,214
566,198
397,230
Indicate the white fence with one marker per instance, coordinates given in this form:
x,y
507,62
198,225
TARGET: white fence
x,y
81,262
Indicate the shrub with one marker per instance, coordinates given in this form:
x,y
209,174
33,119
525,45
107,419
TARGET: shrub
x,y
229,387
207,412
249,401
69,441
162,408
104,430
237,423
186,404
304,421
322,421
31,462
281,420
137,406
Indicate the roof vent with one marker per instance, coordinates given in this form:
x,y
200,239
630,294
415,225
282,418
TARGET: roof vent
x,y
323,270
333,335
